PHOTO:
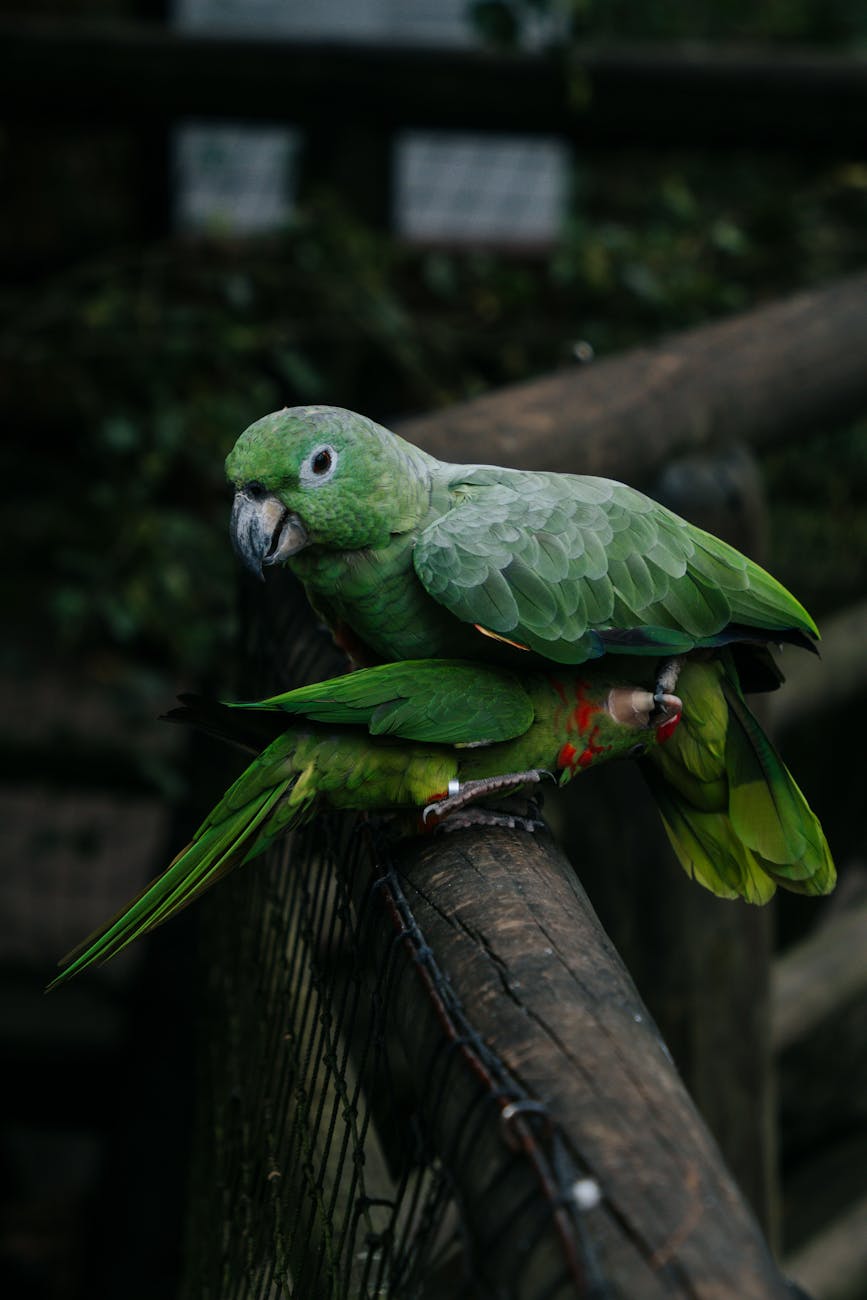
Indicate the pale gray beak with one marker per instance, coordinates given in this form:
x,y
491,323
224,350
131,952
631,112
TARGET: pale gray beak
x,y
263,531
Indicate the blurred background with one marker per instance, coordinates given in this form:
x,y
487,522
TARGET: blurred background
x,y
214,208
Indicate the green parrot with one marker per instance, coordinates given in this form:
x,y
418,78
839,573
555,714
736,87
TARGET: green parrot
x,y
404,557
426,736
576,606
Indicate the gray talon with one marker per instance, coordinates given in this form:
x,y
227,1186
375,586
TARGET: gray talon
x,y
471,792
665,702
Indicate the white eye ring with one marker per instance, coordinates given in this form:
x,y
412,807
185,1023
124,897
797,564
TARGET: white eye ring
x,y
319,466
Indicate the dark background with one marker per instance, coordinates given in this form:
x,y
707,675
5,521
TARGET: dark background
x,y
132,353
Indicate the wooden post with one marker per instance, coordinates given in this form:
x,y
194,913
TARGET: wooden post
x,y
701,963
773,373
512,1006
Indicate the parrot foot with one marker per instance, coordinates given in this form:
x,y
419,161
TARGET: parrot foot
x,y
512,821
634,707
470,792
664,699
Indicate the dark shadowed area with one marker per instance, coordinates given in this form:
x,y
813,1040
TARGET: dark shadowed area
x,y
447,217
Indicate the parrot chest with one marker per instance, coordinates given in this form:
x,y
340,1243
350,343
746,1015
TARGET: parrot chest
x,y
377,597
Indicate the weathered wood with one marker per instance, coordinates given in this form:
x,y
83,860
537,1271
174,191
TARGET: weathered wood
x,y
825,1178
833,1265
538,981
820,1035
822,1082
759,377
599,96
701,964
819,976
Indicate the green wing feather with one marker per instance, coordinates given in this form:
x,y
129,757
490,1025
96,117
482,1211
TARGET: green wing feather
x,y
221,843
734,815
430,701
767,809
708,847
439,701
572,566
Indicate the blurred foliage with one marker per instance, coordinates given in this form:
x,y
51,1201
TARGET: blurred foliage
x,y
129,366
128,377
817,490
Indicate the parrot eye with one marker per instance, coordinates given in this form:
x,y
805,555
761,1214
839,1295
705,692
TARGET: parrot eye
x,y
318,467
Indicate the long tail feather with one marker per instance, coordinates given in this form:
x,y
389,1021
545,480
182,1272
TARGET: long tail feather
x,y
222,843
306,767
735,817
767,809
707,847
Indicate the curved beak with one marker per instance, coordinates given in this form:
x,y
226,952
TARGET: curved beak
x,y
263,531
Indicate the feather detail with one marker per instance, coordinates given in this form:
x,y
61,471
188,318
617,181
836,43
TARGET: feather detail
x,y
733,813
216,848
766,806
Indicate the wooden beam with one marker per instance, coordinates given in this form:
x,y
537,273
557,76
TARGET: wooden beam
x,y
819,977
596,95
815,687
763,376
833,1264
512,1007
701,964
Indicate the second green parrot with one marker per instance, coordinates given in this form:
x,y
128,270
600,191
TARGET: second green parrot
x,y
432,736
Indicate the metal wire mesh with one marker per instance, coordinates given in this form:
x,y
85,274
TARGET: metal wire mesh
x,y
308,1204
356,1137
322,1168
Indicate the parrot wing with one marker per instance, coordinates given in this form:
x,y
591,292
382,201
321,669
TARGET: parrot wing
x,y
438,701
572,566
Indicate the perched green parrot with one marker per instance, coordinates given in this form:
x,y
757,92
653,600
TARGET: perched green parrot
x,y
404,556
591,604
430,736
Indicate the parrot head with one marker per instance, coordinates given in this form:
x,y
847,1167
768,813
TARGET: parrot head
x,y
321,476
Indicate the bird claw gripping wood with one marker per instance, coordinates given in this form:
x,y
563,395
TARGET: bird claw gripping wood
x,y
455,806
521,812
469,817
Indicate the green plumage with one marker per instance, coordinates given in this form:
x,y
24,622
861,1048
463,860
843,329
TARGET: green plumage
x,y
405,556
444,701
524,611
412,556
735,817
386,738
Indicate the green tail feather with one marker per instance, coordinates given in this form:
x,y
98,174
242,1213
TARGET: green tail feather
x,y
222,843
736,819
707,846
767,809
299,771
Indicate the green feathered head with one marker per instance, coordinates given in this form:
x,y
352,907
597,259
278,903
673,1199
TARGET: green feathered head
x,y
321,476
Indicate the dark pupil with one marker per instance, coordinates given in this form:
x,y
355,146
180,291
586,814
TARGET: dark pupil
x,y
321,462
